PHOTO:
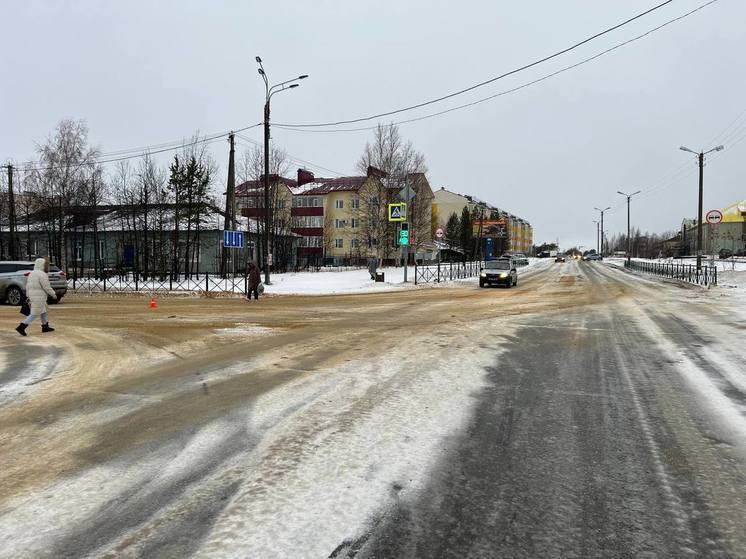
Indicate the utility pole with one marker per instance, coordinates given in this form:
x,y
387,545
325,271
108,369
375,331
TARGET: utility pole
x,y
700,209
597,237
266,192
12,243
230,200
629,241
701,162
602,227
269,92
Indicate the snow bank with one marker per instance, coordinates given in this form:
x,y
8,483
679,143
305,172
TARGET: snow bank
x,y
358,281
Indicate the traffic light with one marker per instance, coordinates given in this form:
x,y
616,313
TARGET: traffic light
x,y
404,234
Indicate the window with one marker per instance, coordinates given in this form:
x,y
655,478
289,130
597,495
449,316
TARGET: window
x,y
314,242
339,243
78,250
355,203
101,249
316,202
280,204
339,223
355,223
355,243
339,204
307,221
7,268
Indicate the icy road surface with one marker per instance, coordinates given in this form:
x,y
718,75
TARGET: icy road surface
x,y
586,412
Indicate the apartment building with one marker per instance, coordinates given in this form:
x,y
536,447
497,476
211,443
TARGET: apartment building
x,y
506,231
333,217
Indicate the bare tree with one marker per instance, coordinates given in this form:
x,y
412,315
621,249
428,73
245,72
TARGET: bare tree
x,y
250,167
65,160
398,159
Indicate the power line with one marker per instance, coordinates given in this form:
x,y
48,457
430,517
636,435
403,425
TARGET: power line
x,y
716,139
292,157
491,80
147,151
513,89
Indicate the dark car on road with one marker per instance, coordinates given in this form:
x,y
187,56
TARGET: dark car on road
x,y
501,271
13,281
559,259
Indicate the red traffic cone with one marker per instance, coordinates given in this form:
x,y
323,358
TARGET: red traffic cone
x,y
153,303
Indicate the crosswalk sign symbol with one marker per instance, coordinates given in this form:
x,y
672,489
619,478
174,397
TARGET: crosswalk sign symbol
x,y
398,212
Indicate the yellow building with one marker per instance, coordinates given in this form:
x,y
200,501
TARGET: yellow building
x,y
508,232
340,219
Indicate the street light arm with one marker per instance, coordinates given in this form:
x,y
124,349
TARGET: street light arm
x,y
682,148
623,193
718,148
284,88
304,76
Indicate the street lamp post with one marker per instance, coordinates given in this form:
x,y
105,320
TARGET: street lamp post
x,y
602,226
629,243
270,90
701,162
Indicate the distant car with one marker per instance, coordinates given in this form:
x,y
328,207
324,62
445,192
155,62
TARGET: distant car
x,y
13,281
592,257
725,253
559,259
501,271
519,259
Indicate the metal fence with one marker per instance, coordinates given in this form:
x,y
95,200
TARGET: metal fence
x,y
446,271
707,275
135,282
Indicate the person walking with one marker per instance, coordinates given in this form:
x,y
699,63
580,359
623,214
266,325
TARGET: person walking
x,y
372,266
37,291
254,281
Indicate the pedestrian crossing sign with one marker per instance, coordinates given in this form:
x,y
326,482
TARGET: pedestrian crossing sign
x,y
398,211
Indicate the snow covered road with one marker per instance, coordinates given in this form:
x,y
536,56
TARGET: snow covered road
x,y
587,412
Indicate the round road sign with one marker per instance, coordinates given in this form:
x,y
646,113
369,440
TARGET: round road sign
x,y
439,233
714,217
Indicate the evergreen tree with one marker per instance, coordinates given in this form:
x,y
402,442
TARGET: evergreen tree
x,y
453,230
466,232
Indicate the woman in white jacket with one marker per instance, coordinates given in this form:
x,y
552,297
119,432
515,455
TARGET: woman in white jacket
x,y
37,291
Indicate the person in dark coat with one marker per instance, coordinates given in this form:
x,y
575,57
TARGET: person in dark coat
x,y
254,280
372,266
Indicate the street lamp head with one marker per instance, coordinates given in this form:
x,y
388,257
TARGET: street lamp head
x,y
635,192
292,85
719,148
261,72
303,77
622,193
258,59
682,148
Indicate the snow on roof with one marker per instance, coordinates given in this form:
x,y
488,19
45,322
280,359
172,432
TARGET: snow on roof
x,y
304,188
254,187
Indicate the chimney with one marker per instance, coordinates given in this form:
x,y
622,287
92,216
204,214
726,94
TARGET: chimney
x,y
304,177
374,172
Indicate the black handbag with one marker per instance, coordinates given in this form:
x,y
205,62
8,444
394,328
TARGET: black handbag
x,y
25,308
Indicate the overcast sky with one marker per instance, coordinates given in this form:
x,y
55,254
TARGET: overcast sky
x,y
144,73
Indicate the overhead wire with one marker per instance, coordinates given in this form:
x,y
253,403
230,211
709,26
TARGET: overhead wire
x,y
293,158
142,153
488,81
302,128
